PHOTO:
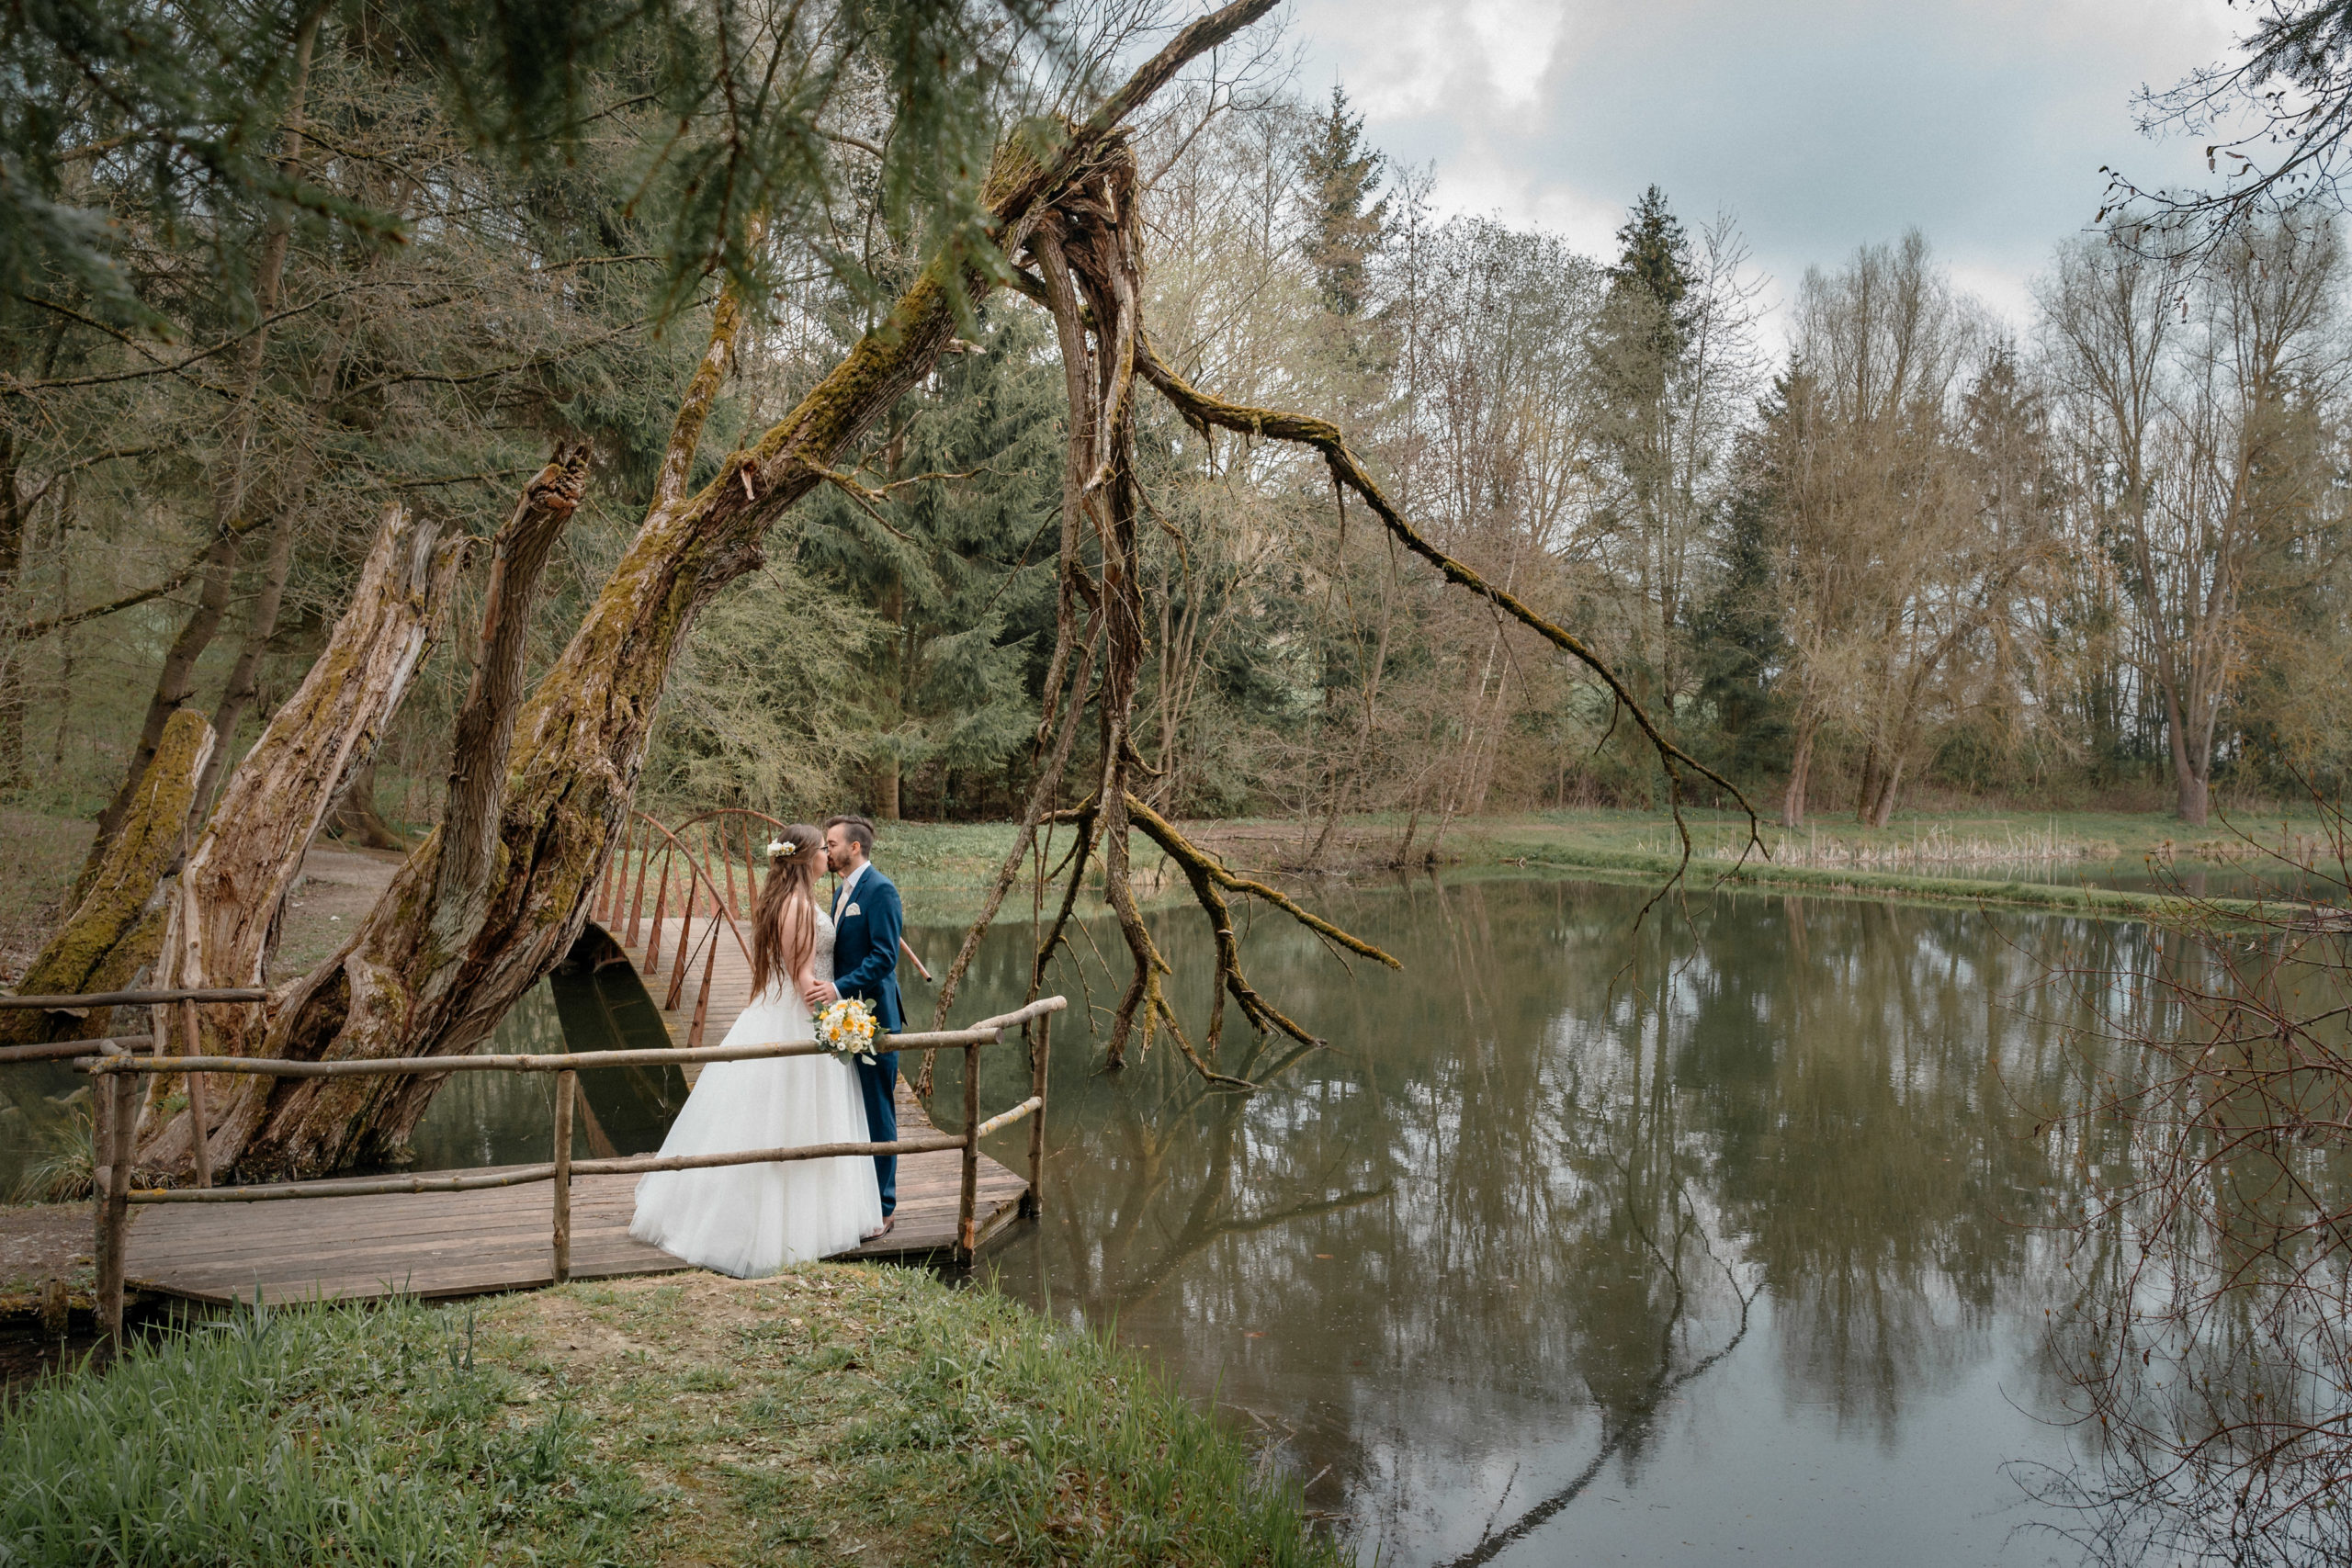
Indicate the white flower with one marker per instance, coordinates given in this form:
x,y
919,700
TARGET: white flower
x,y
783,847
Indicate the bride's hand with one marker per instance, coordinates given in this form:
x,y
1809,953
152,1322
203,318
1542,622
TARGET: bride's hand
x,y
819,994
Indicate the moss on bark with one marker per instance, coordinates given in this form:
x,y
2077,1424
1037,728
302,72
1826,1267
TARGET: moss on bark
x,y
116,929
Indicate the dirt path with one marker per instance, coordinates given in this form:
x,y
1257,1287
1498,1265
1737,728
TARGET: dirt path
x,y
338,886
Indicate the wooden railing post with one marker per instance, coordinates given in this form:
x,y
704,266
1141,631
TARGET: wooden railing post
x,y
1041,1045
198,1122
726,864
661,913
637,898
117,1101
967,1224
702,996
567,1085
684,954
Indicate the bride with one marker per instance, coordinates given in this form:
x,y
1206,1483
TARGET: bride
x,y
748,1219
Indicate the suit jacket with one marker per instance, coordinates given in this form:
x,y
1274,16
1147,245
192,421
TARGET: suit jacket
x,y
866,947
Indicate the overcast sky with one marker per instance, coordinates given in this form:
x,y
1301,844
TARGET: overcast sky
x,y
1821,124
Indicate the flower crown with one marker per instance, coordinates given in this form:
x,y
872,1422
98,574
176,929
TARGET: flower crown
x,y
782,848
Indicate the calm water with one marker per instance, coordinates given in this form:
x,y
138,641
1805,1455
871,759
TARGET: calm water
x,y
1709,1242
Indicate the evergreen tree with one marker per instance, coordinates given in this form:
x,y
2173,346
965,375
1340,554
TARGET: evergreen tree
x,y
1738,649
957,572
1346,223
1647,327
1654,260
1637,352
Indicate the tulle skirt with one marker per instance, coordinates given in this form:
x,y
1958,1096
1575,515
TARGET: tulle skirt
x,y
749,1220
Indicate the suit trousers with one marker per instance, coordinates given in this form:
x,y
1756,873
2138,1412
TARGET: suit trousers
x,y
878,1081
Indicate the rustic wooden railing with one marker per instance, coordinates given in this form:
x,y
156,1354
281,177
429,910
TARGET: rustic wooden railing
x,y
116,1067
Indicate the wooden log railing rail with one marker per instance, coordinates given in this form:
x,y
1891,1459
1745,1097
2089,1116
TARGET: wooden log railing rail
x,y
136,998
118,1070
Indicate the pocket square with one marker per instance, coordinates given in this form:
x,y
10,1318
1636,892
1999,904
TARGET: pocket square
x,y
848,912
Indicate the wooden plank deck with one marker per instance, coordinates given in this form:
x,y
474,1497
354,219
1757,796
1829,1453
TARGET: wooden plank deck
x,y
464,1244
460,1243
731,980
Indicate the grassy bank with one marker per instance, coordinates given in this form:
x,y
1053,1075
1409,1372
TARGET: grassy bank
x,y
831,1415
943,869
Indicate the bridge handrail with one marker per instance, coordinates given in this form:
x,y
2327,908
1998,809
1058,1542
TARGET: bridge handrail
x,y
986,1033
117,1072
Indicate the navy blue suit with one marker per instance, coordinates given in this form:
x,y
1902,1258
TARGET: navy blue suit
x,y
866,963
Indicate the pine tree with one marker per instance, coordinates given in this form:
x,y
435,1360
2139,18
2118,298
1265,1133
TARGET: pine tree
x,y
1651,285
1347,224
1637,352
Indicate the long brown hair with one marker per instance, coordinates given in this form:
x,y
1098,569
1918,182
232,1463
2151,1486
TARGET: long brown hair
x,y
781,943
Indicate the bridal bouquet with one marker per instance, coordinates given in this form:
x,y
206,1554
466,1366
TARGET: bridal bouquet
x,y
846,1029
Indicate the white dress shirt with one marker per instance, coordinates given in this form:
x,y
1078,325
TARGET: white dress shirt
x,y
841,897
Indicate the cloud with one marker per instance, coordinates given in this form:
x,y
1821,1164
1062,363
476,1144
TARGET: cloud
x,y
1822,124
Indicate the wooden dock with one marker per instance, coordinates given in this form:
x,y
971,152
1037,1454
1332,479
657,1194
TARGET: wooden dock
x,y
459,1244
466,1244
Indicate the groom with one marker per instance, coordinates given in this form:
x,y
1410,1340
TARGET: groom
x,y
866,923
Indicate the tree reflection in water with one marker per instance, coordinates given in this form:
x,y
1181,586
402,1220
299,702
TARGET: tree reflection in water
x,y
2205,1349
1472,1258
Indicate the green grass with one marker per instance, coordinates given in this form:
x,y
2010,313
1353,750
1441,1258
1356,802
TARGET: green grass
x,y
306,1435
829,1415
875,1414
2090,836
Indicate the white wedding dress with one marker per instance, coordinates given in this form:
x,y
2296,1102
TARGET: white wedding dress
x,y
749,1220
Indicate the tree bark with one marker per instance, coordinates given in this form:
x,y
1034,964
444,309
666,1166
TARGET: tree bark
x,y
354,817
1792,801
13,524
233,889
485,731
117,928
1889,783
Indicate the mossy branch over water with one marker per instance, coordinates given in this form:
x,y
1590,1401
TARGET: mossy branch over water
x,y
829,1415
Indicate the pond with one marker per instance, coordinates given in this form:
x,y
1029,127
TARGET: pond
x,y
1711,1238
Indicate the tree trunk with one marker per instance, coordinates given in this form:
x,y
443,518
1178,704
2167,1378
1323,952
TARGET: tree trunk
x,y
13,523
64,689
1800,773
2190,794
2193,797
354,817
237,696
224,924
117,928
1883,806
886,788
1866,793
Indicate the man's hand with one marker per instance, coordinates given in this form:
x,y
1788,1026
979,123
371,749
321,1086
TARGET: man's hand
x,y
821,995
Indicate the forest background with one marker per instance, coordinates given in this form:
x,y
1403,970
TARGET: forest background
x,y
1892,551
